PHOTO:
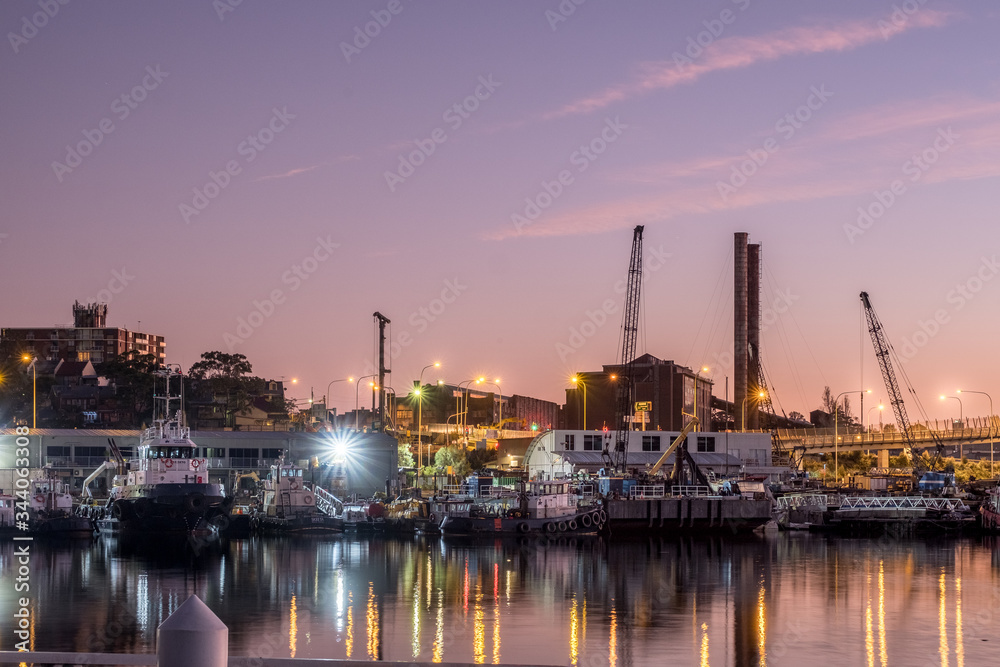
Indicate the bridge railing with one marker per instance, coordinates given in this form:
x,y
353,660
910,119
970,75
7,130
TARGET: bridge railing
x,y
902,502
796,500
825,437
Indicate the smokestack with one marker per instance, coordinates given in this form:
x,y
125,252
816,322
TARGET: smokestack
x,y
753,334
740,320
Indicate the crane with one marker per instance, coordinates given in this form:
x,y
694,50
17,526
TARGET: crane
x,y
882,351
626,380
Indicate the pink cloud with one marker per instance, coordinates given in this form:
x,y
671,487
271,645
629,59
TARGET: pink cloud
x,y
740,52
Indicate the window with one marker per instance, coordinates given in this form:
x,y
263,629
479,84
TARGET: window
x,y
94,452
706,443
650,443
243,453
570,443
56,451
272,386
592,443
269,454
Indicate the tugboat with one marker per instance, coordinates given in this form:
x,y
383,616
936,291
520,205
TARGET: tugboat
x,y
292,505
166,488
989,511
546,508
50,511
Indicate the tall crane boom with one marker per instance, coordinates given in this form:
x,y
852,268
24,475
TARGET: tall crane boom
x,y
881,344
630,329
882,354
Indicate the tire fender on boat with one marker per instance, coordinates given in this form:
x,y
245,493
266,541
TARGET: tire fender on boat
x,y
522,527
194,502
562,526
604,516
141,508
550,527
586,521
572,524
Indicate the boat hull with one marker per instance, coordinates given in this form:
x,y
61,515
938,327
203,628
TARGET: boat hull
x,y
989,517
165,508
579,523
315,524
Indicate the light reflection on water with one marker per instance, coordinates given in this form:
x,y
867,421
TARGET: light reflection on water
x,y
784,600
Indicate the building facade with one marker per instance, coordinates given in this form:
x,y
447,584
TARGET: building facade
x,y
89,339
673,392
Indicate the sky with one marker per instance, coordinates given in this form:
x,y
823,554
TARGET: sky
x,y
260,178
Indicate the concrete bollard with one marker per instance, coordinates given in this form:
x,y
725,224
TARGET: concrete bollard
x,y
192,636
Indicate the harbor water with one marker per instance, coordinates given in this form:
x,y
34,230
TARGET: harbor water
x,y
779,599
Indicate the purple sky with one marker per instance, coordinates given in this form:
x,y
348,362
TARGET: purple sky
x,y
669,124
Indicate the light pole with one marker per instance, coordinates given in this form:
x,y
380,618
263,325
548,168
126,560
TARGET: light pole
x,y
961,417
969,391
34,389
420,409
500,411
836,442
743,410
577,381
878,407
459,404
326,398
357,386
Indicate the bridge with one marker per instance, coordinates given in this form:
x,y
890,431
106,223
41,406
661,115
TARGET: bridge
x,y
974,431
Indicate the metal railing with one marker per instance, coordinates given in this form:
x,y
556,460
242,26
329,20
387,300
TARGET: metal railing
x,y
796,500
326,502
902,502
646,492
690,490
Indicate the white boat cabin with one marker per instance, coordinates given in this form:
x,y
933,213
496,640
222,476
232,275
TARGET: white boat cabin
x,y
286,489
551,499
166,455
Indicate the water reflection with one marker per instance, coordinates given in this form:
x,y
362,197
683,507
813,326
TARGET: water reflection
x,y
780,601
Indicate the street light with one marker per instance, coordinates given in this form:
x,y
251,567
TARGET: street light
x,y
961,418
878,407
500,412
576,380
420,409
459,402
357,407
326,398
969,391
743,410
34,389
836,445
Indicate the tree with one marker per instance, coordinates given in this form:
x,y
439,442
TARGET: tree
x,y
225,380
455,457
797,416
133,375
405,456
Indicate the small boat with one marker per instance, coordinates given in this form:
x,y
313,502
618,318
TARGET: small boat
x,y
546,508
290,504
989,511
364,516
50,510
166,488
